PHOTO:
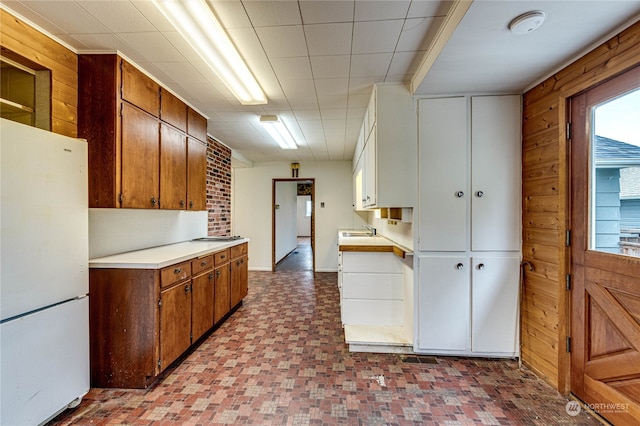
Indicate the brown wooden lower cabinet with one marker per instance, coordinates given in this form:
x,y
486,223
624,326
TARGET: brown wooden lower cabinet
x,y
142,320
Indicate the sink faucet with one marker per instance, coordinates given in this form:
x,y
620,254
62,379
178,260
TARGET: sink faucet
x,y
370,228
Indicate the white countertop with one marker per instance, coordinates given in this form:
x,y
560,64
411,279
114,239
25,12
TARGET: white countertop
x,y
159,257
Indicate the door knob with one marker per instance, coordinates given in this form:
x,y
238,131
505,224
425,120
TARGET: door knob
x,y
479,194
459,194
481,266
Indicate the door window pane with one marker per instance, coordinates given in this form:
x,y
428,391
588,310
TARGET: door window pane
x,y
615,176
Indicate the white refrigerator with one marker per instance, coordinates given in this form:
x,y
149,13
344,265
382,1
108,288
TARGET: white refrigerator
x,y
44,280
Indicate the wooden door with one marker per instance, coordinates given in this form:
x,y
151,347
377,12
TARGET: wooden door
x,y
202,308
196,175
173,168
140,159
222,292
175,322
239,276
605,313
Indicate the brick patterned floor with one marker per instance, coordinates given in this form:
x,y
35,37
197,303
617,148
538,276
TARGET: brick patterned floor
x,y
281,360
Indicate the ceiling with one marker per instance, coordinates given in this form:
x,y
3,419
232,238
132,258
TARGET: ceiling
x,y
317,60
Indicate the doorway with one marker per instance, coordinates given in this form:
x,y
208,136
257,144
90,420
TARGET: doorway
x,y
293,224
605,248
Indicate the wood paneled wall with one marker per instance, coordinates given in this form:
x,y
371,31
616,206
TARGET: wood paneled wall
x,y
545,204
18,38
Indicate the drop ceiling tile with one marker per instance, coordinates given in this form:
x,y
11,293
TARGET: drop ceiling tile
x,y
182,46
298,88
267,13
329,39
182,72
334,114
370,65
292,68
118,16
153,15
332,101
362,85
317,12
398,78
376,36
359,101
230,14
283,42
67,15
404,62
335,66
154,48
377,10
21,8
414,33
332,86
246,42
276,103
308,115
422,9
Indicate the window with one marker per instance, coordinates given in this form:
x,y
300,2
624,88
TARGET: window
x,y
25,94
615,175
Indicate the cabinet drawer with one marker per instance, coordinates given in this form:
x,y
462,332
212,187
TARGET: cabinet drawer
x,y
175,273
221,257
239,250
371,262
372,312
201,264
372,286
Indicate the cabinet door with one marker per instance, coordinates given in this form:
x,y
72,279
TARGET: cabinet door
x,y
196,175
494,308
444,303
140,159
202,308
173,110
369,185
175,322
139,89
222,292
496,177
173,168
443,177
239,276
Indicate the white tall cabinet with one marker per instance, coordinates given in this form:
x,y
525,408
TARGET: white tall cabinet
x,y
468,225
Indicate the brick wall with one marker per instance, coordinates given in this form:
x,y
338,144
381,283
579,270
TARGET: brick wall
x,y
218,188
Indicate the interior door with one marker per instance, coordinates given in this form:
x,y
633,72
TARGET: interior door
x,y
605,314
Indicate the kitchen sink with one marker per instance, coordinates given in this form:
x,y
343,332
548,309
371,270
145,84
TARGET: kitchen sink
x,y
357,234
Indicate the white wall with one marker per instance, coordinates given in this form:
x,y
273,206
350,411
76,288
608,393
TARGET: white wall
x,y
286,214
304,221
251,208
114,231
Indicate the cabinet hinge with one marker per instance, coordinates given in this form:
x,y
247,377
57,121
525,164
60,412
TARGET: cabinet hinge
x,y
568,130
568,282
121,86
568,343
568,238
120,198
159,363
159,303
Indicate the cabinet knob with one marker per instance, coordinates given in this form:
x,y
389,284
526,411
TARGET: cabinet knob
x,y
218,273
177,271
153,201
459,194
203,263
211,275
479,194
182,203
460,266
481,266
187,289
190,204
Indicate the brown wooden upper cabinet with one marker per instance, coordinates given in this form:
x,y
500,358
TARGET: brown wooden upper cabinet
x,y
137,138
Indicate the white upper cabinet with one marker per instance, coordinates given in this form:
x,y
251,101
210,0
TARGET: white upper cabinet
x,y
443,174
469,173
388,151
495,166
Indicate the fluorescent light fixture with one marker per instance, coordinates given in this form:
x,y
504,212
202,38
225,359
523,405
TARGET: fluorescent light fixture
x,y
278,131
195,21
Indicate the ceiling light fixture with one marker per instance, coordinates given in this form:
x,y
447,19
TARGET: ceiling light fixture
x,y
527,22
278,131
195,21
